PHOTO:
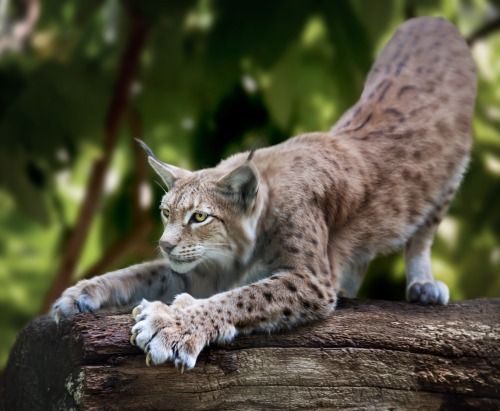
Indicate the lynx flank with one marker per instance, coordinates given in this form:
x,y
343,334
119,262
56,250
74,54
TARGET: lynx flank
x,y
268,239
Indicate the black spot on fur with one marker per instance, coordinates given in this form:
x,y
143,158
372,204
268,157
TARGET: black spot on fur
x,y
239,305
404,89
268,297
275,257
364,123
291,287
384,91
315,199
287,312
393,111
312,270
401,64
315,288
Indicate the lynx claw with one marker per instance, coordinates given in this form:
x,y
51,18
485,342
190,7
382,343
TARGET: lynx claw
x,y
132,339
167,333
180,368
72,304
56,315
136,311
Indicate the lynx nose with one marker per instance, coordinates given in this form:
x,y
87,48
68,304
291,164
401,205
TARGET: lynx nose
x,y
166,246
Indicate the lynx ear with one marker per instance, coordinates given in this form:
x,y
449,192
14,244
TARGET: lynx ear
x,y
169,174
241,184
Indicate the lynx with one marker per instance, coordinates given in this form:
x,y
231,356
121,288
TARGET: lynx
x,y
268,239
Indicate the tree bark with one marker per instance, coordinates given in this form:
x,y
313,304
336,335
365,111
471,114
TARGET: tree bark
x,y
367,355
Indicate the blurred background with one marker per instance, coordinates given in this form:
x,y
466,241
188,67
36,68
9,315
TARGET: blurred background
x,y
198,80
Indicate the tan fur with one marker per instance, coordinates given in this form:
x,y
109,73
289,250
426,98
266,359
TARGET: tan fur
x,y
297,224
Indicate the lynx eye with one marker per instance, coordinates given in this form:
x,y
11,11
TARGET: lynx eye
x,y
199,217
166,213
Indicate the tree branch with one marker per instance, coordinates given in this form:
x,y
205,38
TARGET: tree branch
x,y
488,28
119,103
141,223
366,355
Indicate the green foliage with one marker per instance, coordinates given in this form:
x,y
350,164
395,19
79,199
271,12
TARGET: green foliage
x,y
215,77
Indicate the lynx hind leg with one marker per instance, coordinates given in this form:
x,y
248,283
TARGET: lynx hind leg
x,y
421,287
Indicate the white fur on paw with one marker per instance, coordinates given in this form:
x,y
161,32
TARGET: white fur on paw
x,y
183,300
70,305
171,334
431,292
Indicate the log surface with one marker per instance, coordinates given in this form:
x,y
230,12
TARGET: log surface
x,y
367,355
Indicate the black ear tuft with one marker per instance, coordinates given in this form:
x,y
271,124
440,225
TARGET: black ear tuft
x,y
145,147
250,156
169,174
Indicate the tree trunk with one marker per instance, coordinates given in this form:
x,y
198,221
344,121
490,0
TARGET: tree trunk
x,y
367,355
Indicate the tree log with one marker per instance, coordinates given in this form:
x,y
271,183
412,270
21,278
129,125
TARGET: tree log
x,y
367,355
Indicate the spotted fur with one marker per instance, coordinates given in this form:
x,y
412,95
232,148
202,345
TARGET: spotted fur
x,y
288,228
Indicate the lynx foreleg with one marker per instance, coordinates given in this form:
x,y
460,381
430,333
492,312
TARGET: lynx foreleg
x,y
150,280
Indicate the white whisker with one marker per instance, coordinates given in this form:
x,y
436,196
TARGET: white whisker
x,y
163,188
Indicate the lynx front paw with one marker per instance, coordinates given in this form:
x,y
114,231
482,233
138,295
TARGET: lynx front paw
x,y
431,292
169,334
73,304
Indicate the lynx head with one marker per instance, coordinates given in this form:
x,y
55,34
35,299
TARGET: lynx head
x,y
209,215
